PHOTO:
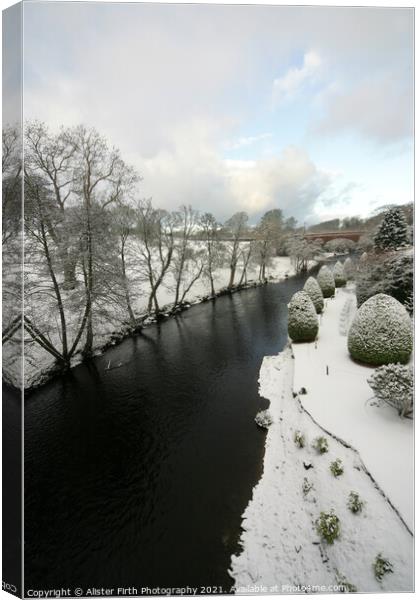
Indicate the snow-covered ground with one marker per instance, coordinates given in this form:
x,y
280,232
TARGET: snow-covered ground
x,y
281,547
342,403
279,268
38,362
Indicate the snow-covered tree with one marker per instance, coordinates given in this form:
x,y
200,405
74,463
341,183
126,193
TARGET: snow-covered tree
x,y
326,281
339,277
391,273
302,319
392,233
348,268
313,290
340,245
394,385
381,332
301,251
236,227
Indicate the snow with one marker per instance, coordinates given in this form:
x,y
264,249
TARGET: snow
x,y
341,402
38,363
280,544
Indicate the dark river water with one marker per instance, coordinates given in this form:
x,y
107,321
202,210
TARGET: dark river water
x,y
138,476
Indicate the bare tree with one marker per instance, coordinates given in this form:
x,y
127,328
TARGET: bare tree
x,y
301,251
155,229
101,179
124,220
246,254
52,157
236,227
11,182
185,224
269,232
41,211
214,254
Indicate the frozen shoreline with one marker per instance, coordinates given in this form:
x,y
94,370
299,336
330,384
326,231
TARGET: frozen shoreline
x,y
280,544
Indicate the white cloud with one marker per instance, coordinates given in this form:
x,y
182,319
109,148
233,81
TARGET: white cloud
x,y
286,87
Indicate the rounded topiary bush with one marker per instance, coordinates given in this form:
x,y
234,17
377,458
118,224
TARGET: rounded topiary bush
x,y
314,292
348,268
302,321
326,282
339,277
381,332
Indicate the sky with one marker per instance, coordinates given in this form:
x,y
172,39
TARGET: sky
x,y
231,108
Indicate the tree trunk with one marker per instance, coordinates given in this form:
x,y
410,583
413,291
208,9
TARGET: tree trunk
x,y
69,269
126,288
232,276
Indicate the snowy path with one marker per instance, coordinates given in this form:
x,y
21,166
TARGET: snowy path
x,y
280,543
341,402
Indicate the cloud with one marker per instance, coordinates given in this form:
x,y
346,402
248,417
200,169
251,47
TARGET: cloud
x,y
195,174
169,84
379,109
284,88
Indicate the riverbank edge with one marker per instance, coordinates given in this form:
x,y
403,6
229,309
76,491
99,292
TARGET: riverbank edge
x,y
144,321
250,568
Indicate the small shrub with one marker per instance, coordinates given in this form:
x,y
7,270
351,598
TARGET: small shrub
x,y
336,467
328,526
302,320
339,277
394,385
264,419
321,445
313,290
381,332
354,503
307,486
326,281
382,566
299,439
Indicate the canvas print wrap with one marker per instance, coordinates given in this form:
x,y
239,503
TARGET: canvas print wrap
x,y
207,299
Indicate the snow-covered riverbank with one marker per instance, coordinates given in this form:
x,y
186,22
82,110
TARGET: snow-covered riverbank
x,y
39,364
281,546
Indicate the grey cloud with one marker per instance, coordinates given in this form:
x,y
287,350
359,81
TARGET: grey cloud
x,y
380,109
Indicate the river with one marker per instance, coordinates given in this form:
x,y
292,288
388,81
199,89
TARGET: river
x,y
138,475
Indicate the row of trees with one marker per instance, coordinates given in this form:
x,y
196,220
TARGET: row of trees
x,y
92,248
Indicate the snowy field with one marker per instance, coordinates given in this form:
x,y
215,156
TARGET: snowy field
x,y
281,546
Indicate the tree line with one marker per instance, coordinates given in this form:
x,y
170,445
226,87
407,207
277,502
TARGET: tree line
x,y
93,246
